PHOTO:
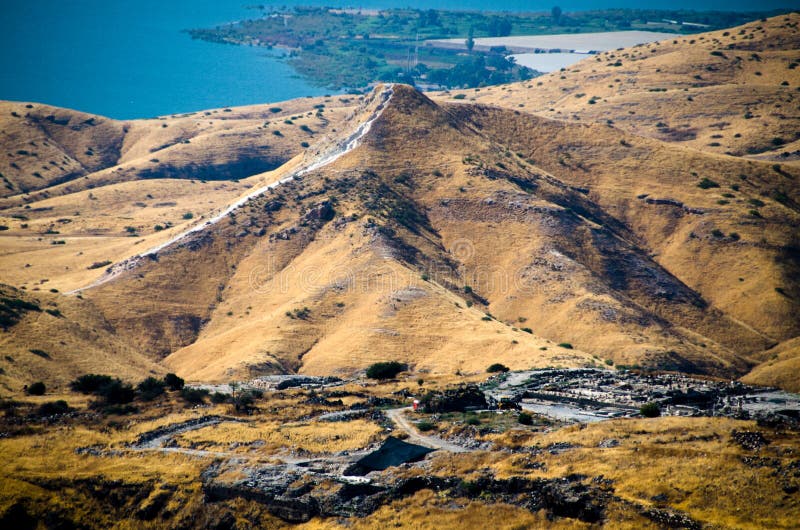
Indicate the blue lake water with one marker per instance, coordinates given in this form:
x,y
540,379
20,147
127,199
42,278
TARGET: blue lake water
x,y
129,59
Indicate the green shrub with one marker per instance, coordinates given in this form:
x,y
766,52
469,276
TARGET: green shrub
x,y
90,383
36,389
527,330
52,408
117,393
188,215
566,345
302,314
98,265
385,370
112,391
473,420
525,419
218,398
425,426
707,183
497,367
173,382
150,388
243,401
650,410
195,396
459,96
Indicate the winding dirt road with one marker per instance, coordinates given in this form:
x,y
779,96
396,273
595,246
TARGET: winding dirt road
x,y
399,419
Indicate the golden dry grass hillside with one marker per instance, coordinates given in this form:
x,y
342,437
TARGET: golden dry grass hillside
x,y
454,235
55,338
434,244
729,92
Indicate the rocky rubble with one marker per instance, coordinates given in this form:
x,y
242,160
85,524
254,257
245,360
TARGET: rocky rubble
x,y
297,497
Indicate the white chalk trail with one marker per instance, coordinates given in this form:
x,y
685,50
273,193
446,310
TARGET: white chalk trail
x,y
342,148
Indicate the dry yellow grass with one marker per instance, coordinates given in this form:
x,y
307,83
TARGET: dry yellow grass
x,y
427,511
692,462
677,89
314,437
779,367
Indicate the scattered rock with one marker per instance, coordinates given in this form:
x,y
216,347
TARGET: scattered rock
x,y
750,440
671,518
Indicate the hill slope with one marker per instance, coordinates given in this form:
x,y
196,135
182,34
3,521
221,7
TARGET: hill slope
x,y
446,235
353,241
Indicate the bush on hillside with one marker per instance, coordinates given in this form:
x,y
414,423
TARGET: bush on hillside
x,y
53,407
385,370
112,390
36,389
173,382
117,393
195,396
707,183
90,383
150,388
218,398
497,367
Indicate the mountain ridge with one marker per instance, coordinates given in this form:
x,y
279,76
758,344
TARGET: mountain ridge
x,y
436,232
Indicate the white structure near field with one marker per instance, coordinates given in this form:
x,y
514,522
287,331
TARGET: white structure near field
x,y
547,53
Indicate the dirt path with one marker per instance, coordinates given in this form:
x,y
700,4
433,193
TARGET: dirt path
x,y
414,436
342,147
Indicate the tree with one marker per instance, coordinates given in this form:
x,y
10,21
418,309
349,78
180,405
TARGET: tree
x,y
195,396
497,367
116,393
650,410
150,388
556,13
90,383
385,370
470,41
36,389
173,381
